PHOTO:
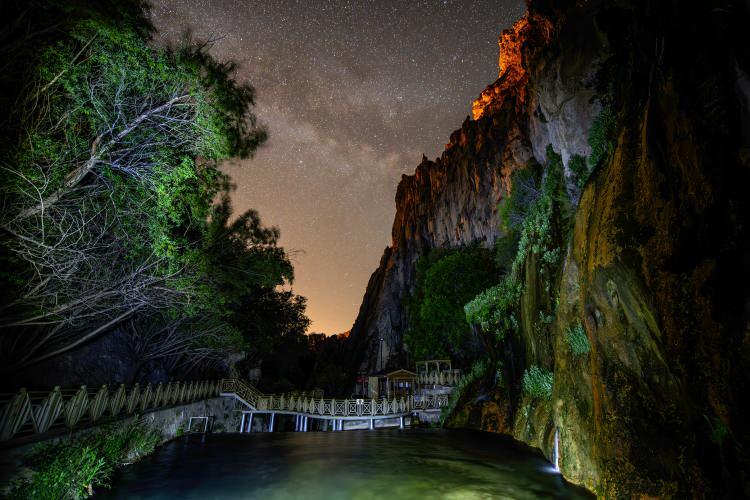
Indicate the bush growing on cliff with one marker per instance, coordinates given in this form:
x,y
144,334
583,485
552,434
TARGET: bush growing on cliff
x,y
577,340
543,224
495,309
602,136
546,224
579,169
446,280
537,382
525,191
72,468
478,370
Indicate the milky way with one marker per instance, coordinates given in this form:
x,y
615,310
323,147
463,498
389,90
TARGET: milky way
x,y
352,94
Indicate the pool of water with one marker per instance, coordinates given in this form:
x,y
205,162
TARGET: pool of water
x,y
387,464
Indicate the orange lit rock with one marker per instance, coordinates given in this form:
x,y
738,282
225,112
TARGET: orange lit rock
x,y
517,45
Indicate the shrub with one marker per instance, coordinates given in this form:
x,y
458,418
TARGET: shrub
x,y
71,468
478,370
537,382
577,340
545,222
579,169
495,308
525,191
445,282
601,136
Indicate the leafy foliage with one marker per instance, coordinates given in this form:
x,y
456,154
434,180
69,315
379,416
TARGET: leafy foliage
x,y
110,179
478,370
537,382
525,191
495,309
546,224
542,227
577,340
73,467
446,280
601,136
540,211
579,169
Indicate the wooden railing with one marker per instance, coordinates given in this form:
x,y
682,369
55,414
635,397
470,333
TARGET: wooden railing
x,y
430,402
446,378
325,408
34,412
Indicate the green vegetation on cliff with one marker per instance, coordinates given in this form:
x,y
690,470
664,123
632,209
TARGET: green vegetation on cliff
x,y
577,340
537,382
601,136
495,309
536,220
446,280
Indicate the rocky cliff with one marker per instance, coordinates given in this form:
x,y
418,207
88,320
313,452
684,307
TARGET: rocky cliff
x,y
654,264
449,202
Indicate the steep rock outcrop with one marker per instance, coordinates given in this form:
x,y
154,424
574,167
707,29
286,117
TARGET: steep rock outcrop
x,y
656,270
657,266
449,202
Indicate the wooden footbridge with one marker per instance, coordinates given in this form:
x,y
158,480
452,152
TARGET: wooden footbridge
x,y
27,413
333,412
31,413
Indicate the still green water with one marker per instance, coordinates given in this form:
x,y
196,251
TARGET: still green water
x,y
387,464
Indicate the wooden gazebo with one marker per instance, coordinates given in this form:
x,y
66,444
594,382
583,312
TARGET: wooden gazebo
x,y
396,383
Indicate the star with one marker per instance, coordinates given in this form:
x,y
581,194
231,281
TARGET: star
x,y
352,94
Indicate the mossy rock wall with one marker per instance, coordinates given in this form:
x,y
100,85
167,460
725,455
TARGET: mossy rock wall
x,y
656,268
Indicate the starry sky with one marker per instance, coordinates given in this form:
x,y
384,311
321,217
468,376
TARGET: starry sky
x,y
352,93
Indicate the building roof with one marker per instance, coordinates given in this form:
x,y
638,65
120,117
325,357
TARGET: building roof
x,y
398,371
401,372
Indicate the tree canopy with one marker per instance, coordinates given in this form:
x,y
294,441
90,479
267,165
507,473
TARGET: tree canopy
x,y
446,280
109,178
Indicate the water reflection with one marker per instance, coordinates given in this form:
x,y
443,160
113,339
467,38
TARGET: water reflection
x,y
386,464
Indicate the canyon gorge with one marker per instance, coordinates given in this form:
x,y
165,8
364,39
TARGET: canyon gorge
x,y
652,98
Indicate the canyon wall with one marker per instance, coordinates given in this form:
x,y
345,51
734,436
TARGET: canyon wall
x,y
449,202
655,269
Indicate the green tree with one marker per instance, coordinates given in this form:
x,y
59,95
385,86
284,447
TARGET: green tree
x,y
109,175
446,280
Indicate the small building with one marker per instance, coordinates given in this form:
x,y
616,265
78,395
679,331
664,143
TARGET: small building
x,y
394,384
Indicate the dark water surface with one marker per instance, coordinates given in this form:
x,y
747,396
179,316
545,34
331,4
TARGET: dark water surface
x,y
387,464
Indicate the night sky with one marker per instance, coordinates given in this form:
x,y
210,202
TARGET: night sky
x,y
352,92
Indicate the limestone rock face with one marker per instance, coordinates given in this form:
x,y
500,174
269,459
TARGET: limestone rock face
x,y
656,268
449,202
517,47
452,201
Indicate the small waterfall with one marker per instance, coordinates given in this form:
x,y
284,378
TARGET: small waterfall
x,y
556,451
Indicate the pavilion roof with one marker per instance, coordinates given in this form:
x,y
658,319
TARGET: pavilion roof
x,y
402,373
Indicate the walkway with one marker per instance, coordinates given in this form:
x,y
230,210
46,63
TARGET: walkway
x,y
28,412
336,411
